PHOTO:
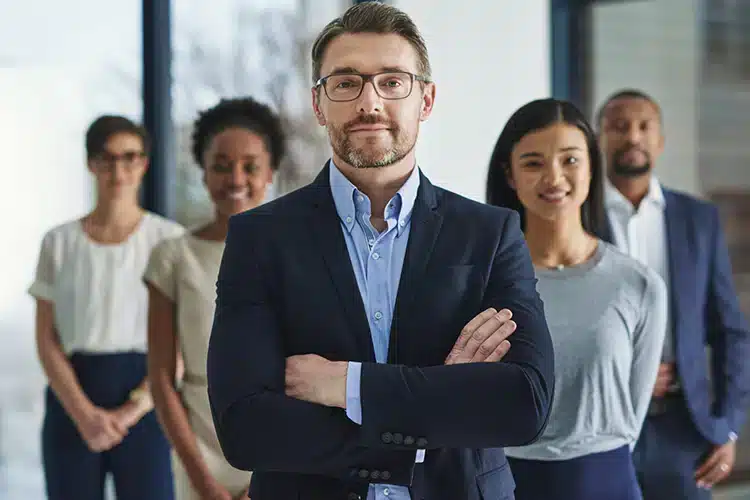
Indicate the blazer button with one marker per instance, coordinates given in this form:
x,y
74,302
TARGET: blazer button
x,y
364,473
387,437
385,475
353,496
422,443
409,440
375,474
398,438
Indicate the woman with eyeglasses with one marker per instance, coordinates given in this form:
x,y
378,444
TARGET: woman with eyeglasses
x,y
606,312
238,144
91,317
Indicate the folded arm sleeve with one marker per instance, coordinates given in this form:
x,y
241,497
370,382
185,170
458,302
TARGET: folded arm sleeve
x,y
478,405
258,426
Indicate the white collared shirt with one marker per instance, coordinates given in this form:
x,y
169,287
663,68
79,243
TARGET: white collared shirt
x,y
642,234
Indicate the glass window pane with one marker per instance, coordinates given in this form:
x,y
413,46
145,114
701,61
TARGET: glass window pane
x,y
229,48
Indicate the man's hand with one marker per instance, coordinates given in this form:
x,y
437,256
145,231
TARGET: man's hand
x,y
312,378
483,339
717,466
664,379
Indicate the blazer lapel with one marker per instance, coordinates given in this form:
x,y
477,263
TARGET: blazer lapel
x,y
326,229
425,225
679,260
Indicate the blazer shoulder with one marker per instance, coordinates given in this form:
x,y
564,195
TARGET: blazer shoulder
x,y
690,201
290,204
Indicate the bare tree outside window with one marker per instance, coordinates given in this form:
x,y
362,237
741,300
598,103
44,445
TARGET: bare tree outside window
x,y
266,57
261,51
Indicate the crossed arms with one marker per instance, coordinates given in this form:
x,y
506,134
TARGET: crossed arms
x,y
458,405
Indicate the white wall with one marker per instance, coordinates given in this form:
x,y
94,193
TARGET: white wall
x,y
486,62
654,46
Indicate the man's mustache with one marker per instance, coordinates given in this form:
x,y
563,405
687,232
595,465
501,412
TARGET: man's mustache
x,y
368,120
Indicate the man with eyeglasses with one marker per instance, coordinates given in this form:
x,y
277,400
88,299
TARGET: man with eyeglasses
x,y
361,343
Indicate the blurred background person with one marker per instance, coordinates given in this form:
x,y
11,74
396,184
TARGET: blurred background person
x,y
91,322
239,144
688,443
606,311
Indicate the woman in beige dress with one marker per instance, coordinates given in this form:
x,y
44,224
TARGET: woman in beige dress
x,y
238,144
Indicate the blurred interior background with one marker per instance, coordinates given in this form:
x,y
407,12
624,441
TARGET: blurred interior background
x,y
63,63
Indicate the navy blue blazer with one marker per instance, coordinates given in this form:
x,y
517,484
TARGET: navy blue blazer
x,y
705,312
286,287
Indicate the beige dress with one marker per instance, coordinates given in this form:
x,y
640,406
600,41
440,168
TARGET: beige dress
x,y
185,270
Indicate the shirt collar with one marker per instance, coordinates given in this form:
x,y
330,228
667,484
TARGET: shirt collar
x,y
615,199
346,198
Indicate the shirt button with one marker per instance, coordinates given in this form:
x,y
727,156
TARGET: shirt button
x,y
376,256
378,315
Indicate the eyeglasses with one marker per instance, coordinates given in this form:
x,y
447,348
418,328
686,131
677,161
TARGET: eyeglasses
x,y
128,158
392,85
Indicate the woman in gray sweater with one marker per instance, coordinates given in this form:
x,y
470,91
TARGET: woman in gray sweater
x,y
606,312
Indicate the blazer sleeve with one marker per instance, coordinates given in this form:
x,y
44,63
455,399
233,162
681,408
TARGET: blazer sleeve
x,y
728,334
258,426
476,405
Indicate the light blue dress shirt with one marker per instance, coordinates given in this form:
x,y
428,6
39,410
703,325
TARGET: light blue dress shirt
x,y
377,260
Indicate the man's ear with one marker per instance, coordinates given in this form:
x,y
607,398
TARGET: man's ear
x,y
315,94
428,101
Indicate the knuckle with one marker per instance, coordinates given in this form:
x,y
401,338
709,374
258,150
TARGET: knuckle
x,y
485,350
478,335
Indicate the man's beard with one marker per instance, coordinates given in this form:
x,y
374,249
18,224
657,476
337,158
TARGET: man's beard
x,y
370,157
623,169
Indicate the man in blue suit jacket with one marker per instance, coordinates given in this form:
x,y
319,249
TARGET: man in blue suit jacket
x,y
343,363
689,438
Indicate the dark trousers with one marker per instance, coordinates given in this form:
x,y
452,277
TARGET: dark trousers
x,y
600,476
668,452
140,464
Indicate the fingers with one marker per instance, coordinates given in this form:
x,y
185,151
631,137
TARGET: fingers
x,y
710,469
468,331
715,469
712,476
666,369
117,424
492,342
488,327
493,331
660,387
500,351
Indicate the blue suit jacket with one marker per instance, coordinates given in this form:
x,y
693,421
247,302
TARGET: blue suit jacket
x,y
705,312
286,287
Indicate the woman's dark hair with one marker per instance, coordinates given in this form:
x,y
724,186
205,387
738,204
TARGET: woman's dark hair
x,y
245,113
107,126
532,117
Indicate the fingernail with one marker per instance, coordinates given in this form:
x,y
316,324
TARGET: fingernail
x,y
503,315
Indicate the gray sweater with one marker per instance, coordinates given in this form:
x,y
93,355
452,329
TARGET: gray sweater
x,y
607,318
